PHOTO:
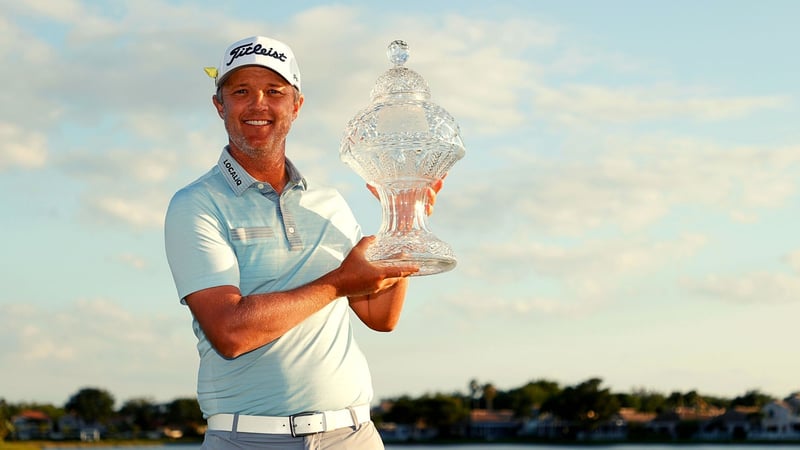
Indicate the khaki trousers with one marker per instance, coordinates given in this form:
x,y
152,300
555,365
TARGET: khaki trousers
x,y
366,437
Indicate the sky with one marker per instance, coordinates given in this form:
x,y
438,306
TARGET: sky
x,y
627,207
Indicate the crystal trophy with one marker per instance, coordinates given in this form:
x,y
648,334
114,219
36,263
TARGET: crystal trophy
x,y
400,144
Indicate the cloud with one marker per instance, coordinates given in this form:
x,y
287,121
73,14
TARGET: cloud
x,y
133,166
793,260
64,11
577,104
441,52
523,276
592,178
120,86
150,113
475,307
616,182
53,351
131,260
607,259
757,287
21,148
138,211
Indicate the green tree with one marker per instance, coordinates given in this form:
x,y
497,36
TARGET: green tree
x,y
585,404
5,420
92,405
489,394
643,400
675,400
752,398
443,412
525,399
404,410
184,412
475,392
140,414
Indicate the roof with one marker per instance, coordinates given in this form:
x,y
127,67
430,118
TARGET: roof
x,y
484,415
631,415
31,414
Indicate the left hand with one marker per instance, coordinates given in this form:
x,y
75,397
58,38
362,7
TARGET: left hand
x,y
433,190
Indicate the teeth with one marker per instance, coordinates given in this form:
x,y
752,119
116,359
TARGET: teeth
x,y
257,122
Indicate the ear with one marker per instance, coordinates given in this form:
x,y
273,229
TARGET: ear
x,y
297,105
219,106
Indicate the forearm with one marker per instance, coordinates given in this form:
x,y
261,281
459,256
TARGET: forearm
x,y
236,324
381,311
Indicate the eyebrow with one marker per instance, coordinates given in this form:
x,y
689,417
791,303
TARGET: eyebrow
x,y
269,84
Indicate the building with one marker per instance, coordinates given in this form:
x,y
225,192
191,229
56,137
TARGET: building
x,y
31,424
491,425
780,420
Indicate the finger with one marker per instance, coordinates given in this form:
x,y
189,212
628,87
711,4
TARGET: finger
x,y
374,190
403,271
431,200
437,185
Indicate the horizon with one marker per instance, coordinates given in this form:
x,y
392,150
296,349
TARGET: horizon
x,y
625,210
118,403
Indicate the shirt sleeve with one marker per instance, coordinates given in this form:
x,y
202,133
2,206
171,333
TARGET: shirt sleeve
x,y
198,251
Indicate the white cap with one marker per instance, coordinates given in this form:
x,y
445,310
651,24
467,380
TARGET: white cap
x,y
258,51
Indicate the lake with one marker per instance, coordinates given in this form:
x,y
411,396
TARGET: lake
x,y
490,446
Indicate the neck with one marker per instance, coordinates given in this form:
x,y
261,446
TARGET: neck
x,y
270,170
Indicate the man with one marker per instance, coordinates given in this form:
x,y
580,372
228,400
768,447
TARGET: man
x,y
270,263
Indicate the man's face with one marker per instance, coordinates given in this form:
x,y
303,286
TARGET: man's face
x,y
258,107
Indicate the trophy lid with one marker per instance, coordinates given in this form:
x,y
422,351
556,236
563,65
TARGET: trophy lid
x,y
402,134
399,82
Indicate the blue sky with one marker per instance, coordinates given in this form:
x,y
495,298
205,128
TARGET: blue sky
x,y
626,209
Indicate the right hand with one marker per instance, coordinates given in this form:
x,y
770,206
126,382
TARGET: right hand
x,y
357,276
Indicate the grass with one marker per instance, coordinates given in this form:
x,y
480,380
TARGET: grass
x,y
40,445
20,445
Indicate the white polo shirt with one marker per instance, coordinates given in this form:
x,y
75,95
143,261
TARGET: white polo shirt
x,y
226,228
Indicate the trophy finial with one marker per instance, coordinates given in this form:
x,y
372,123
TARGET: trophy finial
x,y
398,52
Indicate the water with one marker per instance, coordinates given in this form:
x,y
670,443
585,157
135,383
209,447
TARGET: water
x,y
490,446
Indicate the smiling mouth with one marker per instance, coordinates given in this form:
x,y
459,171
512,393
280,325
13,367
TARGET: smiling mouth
x,y
258,122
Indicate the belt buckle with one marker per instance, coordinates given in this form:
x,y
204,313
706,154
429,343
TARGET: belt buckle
x,y
306,425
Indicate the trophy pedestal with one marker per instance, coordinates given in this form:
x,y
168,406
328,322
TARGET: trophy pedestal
x,y
404,237
431,256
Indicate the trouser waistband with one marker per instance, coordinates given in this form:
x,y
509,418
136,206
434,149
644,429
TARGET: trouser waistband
x,y
297,425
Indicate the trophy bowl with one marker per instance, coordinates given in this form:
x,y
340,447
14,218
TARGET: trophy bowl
x,y
401,144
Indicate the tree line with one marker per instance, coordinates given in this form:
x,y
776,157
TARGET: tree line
x,y
94,407
587,404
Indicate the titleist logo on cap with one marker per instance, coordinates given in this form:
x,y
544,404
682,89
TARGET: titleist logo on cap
x,y
258,49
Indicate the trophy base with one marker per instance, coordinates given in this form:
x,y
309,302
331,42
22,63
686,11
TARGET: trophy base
x,y
431,255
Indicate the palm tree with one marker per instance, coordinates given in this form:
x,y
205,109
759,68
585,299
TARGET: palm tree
x,y
489,393
475,392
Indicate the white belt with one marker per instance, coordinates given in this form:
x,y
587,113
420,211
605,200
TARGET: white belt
x,y
296,425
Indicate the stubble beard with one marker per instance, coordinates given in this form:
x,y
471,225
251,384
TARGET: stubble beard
x,y
272,148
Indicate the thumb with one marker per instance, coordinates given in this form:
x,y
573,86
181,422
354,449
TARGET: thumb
x,y
365,242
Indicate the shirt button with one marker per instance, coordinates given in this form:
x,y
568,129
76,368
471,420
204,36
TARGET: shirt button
x,y
291,230
260,185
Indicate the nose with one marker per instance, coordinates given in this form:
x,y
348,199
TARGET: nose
x,y
260,100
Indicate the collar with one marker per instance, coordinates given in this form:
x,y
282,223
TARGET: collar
x,y
239,180
295,177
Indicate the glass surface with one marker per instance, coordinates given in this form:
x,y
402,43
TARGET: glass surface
x,y
402,143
